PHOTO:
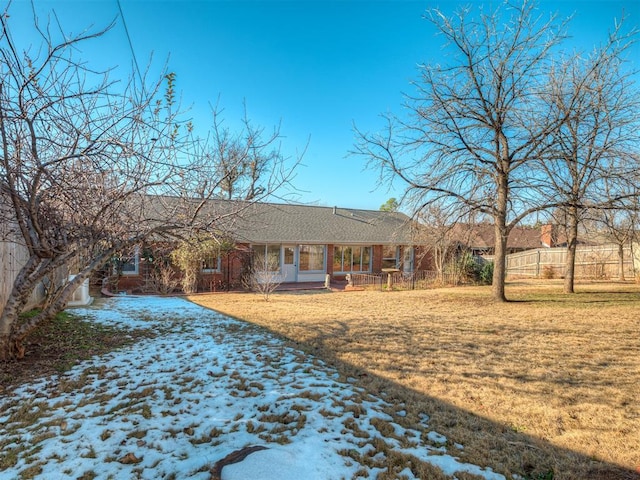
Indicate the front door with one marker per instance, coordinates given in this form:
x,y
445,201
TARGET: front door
x,y
289,263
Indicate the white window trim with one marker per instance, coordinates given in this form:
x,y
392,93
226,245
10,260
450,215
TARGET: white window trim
x,y
214,270
396,257
266,256
369,267
136,263
324,258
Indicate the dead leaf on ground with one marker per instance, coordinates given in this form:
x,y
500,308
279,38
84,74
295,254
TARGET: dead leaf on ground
x,y
129,459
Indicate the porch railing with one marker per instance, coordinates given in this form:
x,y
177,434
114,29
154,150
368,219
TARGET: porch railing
x,y
419,279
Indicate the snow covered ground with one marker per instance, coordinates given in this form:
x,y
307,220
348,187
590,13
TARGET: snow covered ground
x,y
207,386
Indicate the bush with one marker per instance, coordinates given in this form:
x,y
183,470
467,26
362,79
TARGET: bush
x,y
264,281
486,273
190,255
474,269
548,272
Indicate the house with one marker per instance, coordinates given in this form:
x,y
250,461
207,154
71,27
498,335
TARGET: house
x,y
554,235
479,238
299,243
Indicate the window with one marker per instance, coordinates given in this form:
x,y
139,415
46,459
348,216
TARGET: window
x,y
351,259
390,257
266,257
366,259
407,259
131,264
289,255
311,258
211,264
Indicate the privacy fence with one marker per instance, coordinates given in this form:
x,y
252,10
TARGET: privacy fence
x,y
592,262
12,257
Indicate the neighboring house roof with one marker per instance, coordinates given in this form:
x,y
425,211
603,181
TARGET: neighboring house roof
x,y
587,239
248,222
482,235
524,238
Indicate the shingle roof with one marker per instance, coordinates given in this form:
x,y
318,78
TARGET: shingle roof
x,y
482,235
291,223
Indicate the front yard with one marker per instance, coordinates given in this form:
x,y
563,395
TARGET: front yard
x,y
545,386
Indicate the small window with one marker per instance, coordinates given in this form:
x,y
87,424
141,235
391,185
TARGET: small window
x,y
390,257
131,264
211,264
407,259
289,255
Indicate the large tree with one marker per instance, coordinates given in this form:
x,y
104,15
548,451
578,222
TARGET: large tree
x,y
472,135
246,158
91,167
591,163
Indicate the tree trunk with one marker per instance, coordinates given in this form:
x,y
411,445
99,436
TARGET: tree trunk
x,y
11,347
53,308
23,285
12,336
499,263
500,229
31,274
572,243
621,262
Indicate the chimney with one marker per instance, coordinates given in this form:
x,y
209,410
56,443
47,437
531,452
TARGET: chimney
x,y
548,235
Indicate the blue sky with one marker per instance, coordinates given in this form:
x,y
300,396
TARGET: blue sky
x,y
315,68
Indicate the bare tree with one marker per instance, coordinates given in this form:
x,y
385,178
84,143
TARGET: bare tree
x,y
243,157
91,167
591,161
264,275
436,233
619,225
472,135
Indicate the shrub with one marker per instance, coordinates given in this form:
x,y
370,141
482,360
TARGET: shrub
x,y
191,255
548,272
486,273
162,278
263,280
469,268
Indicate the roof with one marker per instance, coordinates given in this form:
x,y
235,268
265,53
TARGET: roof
x,y
309,224
482,235
249,222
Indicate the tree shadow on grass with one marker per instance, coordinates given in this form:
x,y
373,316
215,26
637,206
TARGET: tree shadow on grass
x,y
487,443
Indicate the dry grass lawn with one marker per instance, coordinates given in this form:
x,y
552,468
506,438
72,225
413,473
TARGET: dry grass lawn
x,y
545,386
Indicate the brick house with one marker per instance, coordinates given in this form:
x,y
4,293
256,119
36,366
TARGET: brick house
x,y
301,243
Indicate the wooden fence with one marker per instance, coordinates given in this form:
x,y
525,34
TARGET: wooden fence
x,y
595,262
12,257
